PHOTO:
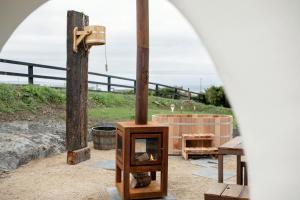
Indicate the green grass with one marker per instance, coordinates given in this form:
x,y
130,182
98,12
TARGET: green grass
x,y
101,106
27,98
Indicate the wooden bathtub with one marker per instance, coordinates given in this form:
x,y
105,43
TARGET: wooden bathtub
x,y
219,125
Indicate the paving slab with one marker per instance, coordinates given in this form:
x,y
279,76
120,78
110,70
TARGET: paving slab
x,y
114,195
212,173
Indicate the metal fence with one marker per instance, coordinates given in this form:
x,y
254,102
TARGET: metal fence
x,y
30,75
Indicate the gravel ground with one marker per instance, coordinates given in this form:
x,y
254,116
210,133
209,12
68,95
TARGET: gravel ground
x,y
46,175
52,178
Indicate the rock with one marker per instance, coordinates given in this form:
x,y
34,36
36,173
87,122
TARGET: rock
x,y
22,141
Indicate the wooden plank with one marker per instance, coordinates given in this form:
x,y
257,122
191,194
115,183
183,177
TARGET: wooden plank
x,y
232,147
135,169
245,177
205,136
231,151
232,191
77,156
239,173
220,168
245,193
164,172
77,86
217,189
140,127
200,150
142,67
233,144
126,164
151,191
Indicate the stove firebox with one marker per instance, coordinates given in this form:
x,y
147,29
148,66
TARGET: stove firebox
x,y
141,160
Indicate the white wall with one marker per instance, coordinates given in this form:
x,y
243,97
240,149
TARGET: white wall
x,y
255,44
12,13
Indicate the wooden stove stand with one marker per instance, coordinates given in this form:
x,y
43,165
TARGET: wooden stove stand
x,y
155,189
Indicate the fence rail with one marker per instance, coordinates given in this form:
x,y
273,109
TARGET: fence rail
x,y
30,75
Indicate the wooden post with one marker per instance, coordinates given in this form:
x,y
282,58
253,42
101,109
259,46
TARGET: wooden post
x,y
156,90
77,88
189,94
108,84
142,68
238,170
134,87
175,93
30,74
220,168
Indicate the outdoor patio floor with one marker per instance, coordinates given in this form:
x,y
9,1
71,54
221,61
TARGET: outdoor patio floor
x,y
52,178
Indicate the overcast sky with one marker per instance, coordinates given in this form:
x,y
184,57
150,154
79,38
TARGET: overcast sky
x,y
177,56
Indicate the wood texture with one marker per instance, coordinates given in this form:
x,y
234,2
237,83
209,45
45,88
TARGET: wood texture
x,y
222,191
244,171
233,147
195,124
232,191
77,86
129,131
104,139
142,67
215,191
30,74
245,193
77,156
220,168
239,174
198,144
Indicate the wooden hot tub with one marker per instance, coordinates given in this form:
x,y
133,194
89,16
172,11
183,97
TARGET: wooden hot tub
x,y
219,126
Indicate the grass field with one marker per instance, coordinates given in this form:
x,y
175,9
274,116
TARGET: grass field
x,y
102,106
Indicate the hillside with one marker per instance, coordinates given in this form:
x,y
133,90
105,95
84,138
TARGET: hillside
x,y
28,102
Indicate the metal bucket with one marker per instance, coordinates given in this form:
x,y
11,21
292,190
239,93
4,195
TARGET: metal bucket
x,y
104,137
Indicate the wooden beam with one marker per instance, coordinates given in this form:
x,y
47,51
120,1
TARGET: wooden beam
x,y
142,68
77,156
77,88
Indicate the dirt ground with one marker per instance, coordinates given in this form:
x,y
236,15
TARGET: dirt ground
x,y
52,178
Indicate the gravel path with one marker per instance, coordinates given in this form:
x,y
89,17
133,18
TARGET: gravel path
x,y
52,178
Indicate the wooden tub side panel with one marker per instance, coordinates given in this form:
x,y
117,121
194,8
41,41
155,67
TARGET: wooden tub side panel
x,y
219,125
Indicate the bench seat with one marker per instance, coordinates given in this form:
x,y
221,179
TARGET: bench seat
x,y
222,191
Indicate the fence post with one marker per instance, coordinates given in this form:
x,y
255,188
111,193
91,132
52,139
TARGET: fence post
x,y
189,94
134,85
175,94
156,90
30,74
108,84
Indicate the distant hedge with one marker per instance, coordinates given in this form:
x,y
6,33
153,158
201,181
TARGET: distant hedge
x,y
216,96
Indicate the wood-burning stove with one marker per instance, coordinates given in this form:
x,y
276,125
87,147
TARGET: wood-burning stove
x,y
142,151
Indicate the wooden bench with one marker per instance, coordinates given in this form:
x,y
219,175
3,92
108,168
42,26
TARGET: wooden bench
x,y
221,191
198,144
